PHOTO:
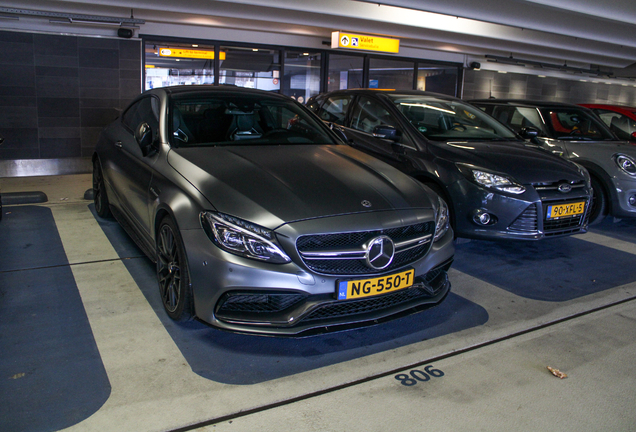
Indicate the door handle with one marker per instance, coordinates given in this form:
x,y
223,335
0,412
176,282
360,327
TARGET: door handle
x,y
118,144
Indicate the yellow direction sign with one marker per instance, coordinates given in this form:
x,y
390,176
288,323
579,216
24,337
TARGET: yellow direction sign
x,y
188,53
364,42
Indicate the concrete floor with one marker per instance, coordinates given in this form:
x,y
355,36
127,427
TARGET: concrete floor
x,y
514,310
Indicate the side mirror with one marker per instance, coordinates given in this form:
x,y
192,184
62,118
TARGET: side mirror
x,y
143,136
387,132
339,132
529,132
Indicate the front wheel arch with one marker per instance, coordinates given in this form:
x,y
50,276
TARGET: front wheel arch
x,y
441,191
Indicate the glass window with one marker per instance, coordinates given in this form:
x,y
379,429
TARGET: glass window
x,y
620,124
520,117
334,110
441,120
169,64
368,114
226,118
391,74
250,67
302,75
574,124
144,110
436,78
345,72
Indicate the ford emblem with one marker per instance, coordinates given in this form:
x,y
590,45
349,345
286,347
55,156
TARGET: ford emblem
x,y
564,188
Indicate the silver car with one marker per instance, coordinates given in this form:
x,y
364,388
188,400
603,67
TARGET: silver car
x,y
577,134
260,220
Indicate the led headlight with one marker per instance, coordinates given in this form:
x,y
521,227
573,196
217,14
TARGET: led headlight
x,y
242,238
627,164
442,219
491,180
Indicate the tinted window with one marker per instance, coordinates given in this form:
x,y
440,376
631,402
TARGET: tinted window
x,y
442,120
229,119
574,124
335,109
368,113
520,117
144,110
620,124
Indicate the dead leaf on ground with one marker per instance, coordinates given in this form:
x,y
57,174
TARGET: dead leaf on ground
x,y
557,373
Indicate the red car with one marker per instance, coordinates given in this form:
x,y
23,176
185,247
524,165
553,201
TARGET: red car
x,y
620,119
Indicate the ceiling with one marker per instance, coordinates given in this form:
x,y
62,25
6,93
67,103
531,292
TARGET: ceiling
x,y
581,34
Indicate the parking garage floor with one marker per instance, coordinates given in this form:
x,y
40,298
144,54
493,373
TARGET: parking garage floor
x,y
85,344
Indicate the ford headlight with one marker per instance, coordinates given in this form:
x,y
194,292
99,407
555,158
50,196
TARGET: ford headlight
x,y
442,219
242,238
627,164
491,180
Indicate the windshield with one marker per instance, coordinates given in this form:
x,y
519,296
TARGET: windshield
x,y
205,119
574,124
449,120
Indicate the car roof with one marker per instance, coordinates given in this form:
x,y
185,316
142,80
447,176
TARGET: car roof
x,y
212,89
610,107
524,102
391,91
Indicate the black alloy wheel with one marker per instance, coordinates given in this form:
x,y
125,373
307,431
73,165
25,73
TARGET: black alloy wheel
x,y
599,203
172,272
99,191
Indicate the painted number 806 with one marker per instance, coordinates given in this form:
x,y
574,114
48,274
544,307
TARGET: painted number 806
x,y
416,376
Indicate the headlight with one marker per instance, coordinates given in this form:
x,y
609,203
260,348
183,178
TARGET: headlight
x,y
627,164
442,219
242,238
491,180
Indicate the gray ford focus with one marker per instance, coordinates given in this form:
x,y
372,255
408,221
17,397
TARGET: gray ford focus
x,y
260,220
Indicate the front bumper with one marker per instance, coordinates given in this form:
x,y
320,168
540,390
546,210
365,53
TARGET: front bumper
x,y
625,189
243,295
519,217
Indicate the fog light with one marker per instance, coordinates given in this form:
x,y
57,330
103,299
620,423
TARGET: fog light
x,y
481,217
632,200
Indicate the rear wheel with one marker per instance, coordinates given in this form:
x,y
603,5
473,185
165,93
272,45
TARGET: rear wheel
x,y
173,274
599,203
99,191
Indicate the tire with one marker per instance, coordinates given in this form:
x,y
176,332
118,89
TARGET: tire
x,y
99,192
173,273
599,203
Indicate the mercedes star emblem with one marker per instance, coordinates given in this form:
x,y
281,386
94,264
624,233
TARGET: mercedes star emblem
x,y
380,253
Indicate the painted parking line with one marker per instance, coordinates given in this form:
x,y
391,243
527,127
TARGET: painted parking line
x,y
154,386
501,387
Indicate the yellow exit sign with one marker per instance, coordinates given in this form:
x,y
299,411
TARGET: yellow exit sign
x,y
364,42
189,53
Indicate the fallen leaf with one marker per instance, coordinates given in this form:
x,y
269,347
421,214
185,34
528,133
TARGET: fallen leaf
x,y
557,373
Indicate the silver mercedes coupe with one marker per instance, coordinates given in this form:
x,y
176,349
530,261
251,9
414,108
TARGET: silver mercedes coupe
x,y
261,220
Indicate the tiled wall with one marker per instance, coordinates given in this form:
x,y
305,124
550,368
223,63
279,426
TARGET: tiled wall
x,y
57,92
480,84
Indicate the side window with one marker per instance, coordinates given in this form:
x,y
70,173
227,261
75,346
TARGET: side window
x,y
144,110
368,114
334,110
620,124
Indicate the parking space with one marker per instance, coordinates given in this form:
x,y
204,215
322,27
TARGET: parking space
x,y
87,345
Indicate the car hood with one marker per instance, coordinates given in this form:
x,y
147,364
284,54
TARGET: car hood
x,y
526,163
273,185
